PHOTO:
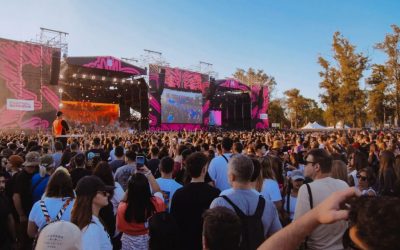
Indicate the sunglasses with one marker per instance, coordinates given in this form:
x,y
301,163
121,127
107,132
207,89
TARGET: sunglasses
x,y
105,193
348,243
363,178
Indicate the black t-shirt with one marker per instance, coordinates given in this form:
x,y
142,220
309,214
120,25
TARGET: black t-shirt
x,y
5,211
65,127
22,186
96,152
188,205
77,174
153,164
183,178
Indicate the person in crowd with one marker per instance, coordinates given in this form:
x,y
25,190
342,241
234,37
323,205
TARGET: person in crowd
x,y
387,176
221,229
58,199
270,187
58,146
177,152
123,173
167,185
243,199
397,172
8,237
22,196
62,235
163,232
60,128
218,167
339,171
261,150
365,231
39,180
366,180
96,151
91,195
14,164
190,201
295,181
113,157
118,159
237,148
135,210
80,169
358,160
154,162
318,167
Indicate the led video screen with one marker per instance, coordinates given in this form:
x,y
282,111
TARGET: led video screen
x,y
215,118
181,107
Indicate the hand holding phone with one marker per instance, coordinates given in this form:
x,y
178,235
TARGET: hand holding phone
x,y
139,161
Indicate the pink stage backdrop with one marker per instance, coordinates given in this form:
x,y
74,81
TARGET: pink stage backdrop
x,y
24,83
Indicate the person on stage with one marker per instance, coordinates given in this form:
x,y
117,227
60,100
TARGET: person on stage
x,y
60,127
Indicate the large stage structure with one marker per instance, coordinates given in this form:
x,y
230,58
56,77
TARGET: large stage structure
x,y
183,99
104,90
28,97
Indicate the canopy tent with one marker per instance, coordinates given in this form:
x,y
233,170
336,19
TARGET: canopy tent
x,y
313,126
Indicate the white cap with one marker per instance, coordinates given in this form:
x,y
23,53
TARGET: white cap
x,y
60,235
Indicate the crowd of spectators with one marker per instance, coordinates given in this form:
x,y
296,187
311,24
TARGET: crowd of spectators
x,y
201,190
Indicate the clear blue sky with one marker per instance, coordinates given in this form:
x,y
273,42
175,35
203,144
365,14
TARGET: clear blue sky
x,y
284,38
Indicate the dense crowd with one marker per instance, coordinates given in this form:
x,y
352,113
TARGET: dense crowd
x,y
201,190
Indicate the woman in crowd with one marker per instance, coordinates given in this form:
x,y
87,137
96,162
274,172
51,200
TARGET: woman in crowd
x,y
91,195
366,180
40,180
387,176
357,161
295,182
270,186
339,170
59,198
136,209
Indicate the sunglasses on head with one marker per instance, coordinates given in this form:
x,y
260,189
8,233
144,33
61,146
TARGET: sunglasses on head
x,y
363,178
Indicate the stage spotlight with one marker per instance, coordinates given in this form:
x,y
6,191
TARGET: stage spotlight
x,y
60,105
93,77
83,76
60,90
123,81
115,79
103,78
150,109
61,76
74,75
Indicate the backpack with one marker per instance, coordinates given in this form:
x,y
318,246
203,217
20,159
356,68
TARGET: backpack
x,y
252,226
47,217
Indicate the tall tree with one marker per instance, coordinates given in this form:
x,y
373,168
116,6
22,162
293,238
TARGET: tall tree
x,y
276,113
330,98
391,46
252,76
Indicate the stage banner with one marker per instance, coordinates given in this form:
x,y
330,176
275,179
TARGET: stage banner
x,y
264,116
22,105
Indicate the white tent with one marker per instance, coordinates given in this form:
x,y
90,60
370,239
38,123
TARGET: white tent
x,y
339,125
313,126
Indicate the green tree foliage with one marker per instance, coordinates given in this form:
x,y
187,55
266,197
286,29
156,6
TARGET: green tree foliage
x,y
276,113
343,97
391,47
302,110
252,76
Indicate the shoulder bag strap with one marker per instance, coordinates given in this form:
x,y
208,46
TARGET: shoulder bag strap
x,y
237,210
260,207
226,159
45,212
62,210
38,182
310,196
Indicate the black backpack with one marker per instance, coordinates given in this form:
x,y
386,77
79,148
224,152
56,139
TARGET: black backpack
x,y
252,226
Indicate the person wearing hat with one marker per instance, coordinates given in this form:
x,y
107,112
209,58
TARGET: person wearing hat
x,y
296,179
60,128
40,180
22,195
91,195
61,235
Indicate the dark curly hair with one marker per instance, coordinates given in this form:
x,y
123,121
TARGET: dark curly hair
x,y
377,221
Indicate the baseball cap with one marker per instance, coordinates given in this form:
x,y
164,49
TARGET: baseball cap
x,y
32,159
59,113
297,175
90,185
61,235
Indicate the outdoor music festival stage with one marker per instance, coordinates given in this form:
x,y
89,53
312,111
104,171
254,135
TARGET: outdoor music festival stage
x,y
105,91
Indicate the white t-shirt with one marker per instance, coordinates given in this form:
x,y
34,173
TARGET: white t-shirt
x,y
270,189
118,196
168,188
95,236
328,236
292,206
53,206
354,175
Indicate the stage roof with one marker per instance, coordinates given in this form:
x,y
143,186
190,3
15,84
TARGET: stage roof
x,y
106,63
